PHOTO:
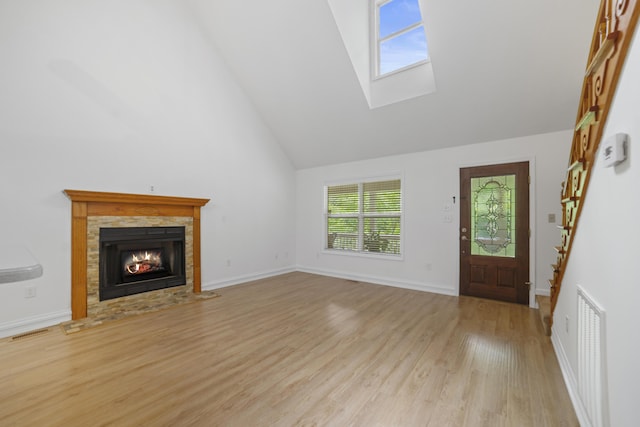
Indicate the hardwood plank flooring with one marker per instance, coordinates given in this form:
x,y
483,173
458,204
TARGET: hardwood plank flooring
x,y
297,349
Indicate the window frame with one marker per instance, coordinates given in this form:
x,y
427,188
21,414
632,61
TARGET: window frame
x,y
361,216
377,41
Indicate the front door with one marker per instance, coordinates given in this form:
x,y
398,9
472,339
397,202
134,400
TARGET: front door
x,y
494,232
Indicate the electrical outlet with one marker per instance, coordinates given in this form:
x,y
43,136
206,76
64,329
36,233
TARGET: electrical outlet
x,y
152,188
30,292
551,218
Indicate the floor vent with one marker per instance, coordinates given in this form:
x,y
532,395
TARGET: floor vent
x,y
29,334
591,360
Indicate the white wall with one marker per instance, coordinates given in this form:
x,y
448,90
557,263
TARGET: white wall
x,y
118,96
604,257
431,180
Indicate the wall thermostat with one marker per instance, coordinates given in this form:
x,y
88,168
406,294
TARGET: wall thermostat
x,y
614,149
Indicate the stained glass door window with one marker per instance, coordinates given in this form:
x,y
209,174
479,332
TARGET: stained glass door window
x,y
493,216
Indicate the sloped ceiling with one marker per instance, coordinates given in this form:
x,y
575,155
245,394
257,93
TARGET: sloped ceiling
x,y
503,69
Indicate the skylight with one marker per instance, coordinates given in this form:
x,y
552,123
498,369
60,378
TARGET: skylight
x,y
400,37
398,31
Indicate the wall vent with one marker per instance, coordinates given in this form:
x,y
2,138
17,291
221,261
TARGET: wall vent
x,y
29,334
592,384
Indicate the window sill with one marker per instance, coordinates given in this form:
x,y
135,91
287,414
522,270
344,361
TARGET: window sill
x,y
400,70
370,255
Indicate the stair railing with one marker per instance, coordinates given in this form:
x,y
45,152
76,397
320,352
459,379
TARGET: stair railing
x,y
612,36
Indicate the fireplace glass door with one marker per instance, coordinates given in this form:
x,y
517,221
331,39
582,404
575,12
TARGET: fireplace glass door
x,y
140,259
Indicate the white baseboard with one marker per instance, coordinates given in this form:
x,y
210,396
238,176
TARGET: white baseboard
x,y
50,319
46,320
416,286
32,323
404,284
231,281
570,381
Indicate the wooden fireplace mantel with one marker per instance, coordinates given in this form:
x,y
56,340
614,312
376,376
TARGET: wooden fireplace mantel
x,y
92,203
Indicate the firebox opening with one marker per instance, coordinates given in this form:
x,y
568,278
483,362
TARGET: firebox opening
x,y
140,259
136,264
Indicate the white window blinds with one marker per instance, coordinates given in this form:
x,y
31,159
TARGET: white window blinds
x,y
364,217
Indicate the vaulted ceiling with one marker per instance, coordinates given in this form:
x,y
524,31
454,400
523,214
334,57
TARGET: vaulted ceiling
x,y
503,69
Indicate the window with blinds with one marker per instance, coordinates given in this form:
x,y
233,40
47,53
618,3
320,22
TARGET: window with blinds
x,y
364,217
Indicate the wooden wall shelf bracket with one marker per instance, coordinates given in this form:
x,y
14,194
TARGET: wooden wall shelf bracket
x,y
603,53
589,118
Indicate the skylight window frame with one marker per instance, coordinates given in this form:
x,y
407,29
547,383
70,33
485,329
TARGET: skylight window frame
x,y
377,41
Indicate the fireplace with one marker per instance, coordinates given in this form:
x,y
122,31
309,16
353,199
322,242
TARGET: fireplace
x,y
91,211
134,260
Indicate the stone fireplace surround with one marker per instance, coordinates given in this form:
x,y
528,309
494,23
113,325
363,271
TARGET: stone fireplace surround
x,y
95,307
92,210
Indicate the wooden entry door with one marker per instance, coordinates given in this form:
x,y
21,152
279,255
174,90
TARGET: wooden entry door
x,y
494,232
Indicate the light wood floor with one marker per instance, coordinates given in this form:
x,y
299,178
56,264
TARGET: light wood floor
x,y
297,349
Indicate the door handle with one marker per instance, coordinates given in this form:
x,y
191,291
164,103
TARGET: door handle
x,y
528,285
463,238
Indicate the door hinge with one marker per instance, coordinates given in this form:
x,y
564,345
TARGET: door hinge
x,y
529,179
529,233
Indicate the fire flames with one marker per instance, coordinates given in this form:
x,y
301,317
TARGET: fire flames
x,y
144,263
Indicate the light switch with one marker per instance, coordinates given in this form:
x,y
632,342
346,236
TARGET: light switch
x,y
551,218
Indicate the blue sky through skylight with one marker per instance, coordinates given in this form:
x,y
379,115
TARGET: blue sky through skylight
x,y
407,48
